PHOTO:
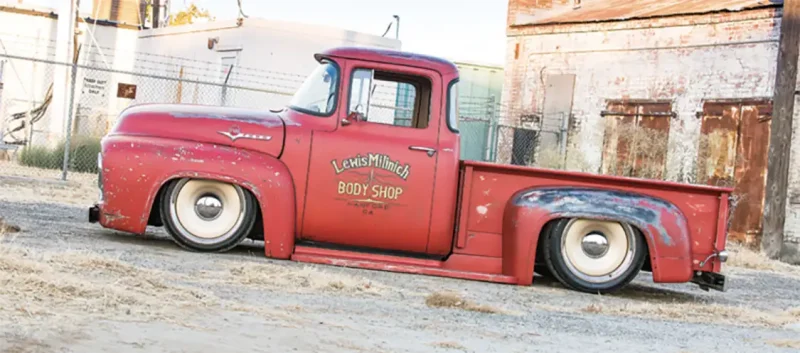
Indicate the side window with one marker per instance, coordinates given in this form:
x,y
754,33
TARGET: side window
x,y
452,106
389,98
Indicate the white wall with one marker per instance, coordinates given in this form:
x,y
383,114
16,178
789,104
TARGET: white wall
x,y
272,56
33,35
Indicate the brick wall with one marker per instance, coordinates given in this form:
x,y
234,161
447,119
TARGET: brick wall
x,y
124,11
682,59
791,249
685,60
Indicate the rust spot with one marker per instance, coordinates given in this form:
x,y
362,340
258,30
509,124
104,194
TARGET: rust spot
x,y
112,217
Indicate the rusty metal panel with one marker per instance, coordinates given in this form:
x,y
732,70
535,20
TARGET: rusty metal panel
x,y
653,140
733,153
616,143
719,131
618,10
636,140
750,174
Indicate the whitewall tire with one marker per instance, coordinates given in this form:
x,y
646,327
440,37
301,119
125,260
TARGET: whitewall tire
x,y
207,215
594,256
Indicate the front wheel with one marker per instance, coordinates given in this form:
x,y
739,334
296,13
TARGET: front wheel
x,y
207,215
593,256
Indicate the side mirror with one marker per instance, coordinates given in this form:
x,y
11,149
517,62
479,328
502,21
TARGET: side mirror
x,y
354,116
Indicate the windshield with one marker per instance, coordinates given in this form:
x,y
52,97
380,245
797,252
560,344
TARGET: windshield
x,y
317,94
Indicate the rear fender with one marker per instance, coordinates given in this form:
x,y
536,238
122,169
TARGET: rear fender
x,y
154,162
663,225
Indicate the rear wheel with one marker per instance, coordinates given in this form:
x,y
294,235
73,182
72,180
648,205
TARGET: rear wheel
x,y
207,215
593,256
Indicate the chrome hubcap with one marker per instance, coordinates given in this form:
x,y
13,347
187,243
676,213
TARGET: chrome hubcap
x,y
208,207
594,245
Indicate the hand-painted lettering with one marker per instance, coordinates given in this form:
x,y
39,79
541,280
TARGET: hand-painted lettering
x,y
355,189
373,160
386,192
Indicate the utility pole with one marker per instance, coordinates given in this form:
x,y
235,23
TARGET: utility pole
x,y
156,13
781,131
61,73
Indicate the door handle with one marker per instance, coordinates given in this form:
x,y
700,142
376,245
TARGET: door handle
x,y
429,150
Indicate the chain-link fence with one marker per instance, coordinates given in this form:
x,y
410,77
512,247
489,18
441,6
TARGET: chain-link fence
x,y
39,140
36,142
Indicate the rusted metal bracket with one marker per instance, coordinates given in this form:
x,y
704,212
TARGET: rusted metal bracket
x,y
608,112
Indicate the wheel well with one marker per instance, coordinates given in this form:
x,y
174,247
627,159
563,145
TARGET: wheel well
x,y
155,209
540,265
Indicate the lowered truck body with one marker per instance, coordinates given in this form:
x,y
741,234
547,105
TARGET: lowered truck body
x,y
331,180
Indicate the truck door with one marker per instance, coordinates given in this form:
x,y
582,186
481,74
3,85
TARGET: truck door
x,y
371,180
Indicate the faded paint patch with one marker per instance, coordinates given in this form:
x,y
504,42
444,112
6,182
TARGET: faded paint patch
x,y
647,213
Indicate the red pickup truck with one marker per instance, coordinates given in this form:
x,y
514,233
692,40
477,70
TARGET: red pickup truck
x,y
328,180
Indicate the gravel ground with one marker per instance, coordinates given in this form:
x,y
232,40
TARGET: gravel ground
x,y
70,286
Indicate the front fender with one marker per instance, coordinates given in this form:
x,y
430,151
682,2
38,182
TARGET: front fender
x,y
663,225
135,169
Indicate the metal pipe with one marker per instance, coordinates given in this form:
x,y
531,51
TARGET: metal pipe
x,y
397,28
68,143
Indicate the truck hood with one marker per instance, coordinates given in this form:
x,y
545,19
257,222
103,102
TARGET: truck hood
x,y
242,128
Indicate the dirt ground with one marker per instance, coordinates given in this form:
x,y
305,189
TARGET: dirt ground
x,y
70,286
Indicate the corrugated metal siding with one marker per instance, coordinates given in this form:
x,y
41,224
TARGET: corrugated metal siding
x,y
618,10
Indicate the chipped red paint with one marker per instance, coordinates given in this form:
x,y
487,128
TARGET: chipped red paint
x,y
457,266
469,220
684,225
135,168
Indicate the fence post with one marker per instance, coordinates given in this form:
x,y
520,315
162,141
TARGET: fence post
x,y
67,142
487,153
563,136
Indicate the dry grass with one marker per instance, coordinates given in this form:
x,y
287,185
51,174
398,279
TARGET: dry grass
x,y
743,257
453,300
306,279
645,151
698,313
77,190
6,227
795,344
56,284
449,345
66,287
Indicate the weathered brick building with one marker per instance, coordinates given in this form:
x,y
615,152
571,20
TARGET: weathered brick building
x,y
673,89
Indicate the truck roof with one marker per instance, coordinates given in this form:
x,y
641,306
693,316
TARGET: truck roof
x,y
392,56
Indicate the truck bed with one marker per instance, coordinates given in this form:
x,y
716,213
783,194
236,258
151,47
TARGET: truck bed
x,y
486,188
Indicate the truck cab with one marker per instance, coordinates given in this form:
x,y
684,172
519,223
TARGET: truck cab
x,y
341,176
373,169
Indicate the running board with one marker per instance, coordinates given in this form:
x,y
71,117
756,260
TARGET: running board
x,y
391,264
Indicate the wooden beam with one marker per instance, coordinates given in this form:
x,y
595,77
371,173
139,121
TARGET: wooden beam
x,y
781,131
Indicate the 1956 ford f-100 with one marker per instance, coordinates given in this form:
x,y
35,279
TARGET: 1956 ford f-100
x,y
326,180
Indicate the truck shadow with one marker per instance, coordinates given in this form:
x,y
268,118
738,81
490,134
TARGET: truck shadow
x,y
637,291
158,239
656,294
